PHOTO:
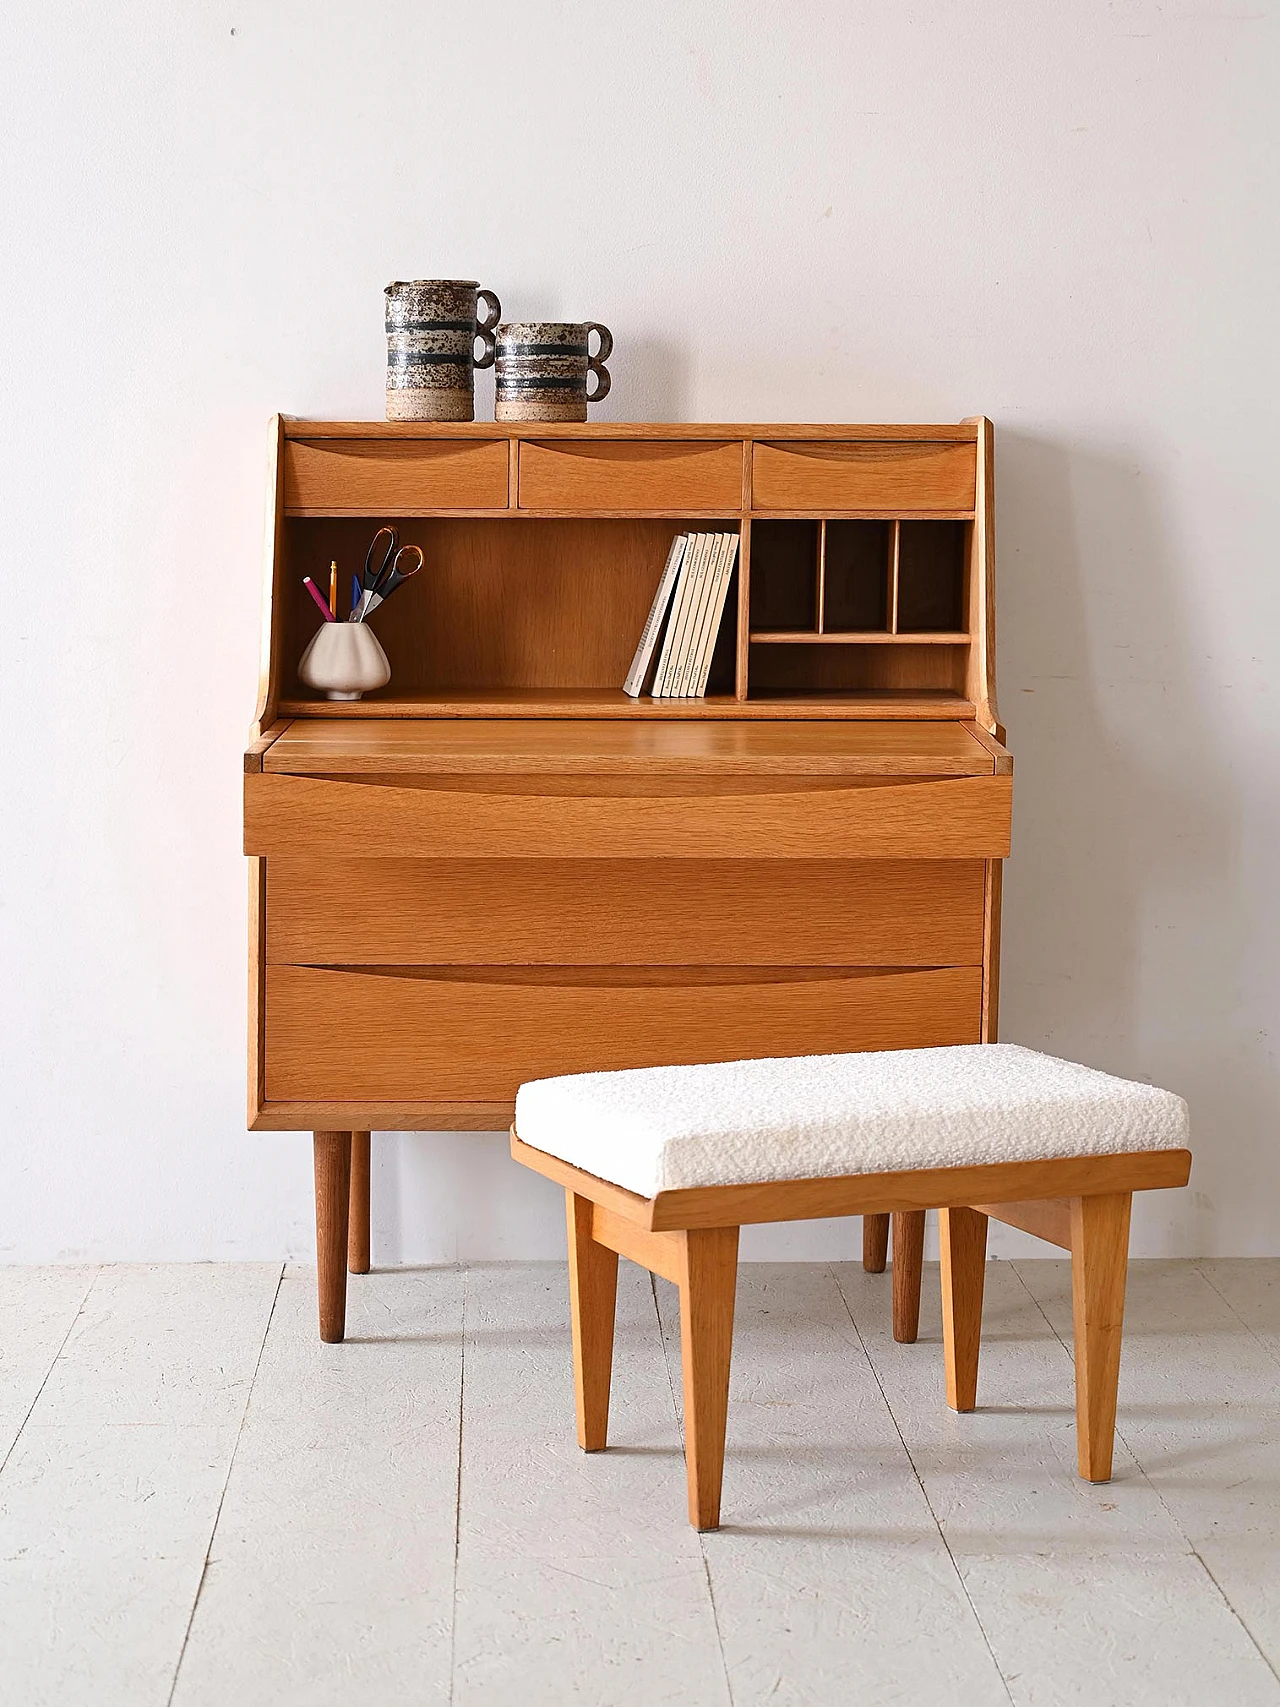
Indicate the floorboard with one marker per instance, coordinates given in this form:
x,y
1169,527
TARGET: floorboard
x,y
38,1307
338,1525
109,1498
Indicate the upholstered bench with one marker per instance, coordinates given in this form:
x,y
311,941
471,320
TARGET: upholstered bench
x,y
664,1164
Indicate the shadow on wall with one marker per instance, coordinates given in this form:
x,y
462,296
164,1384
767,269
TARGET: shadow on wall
x,y
650,382
1129,922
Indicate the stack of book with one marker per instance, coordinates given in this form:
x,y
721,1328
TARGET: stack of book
x,y
684,619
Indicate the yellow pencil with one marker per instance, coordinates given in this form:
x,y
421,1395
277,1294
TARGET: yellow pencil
x,y
333,587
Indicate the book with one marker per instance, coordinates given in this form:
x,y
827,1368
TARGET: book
x,y
702,576
686,637
719,605
638,674
677,622
715,614
703,617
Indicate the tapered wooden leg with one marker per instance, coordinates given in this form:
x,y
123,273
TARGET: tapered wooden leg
x,y
593,1299
358,1224
908,1265
333,1195
875,1243
1099,1264
962,1240
708,1279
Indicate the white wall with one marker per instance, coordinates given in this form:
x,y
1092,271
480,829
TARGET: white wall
x,y
1060,215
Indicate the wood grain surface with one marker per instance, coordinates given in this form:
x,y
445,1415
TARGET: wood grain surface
x,y
908,704
870,1194
861,475
626,912
707,1281
360,476
473,1035
958,818
962,1248
1049,1219
1099,1266
593,1301
298,427
644,474
604,747
908,1260
405,1114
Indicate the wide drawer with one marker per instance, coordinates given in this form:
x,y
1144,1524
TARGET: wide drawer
x,y
949,818
472,1036
867,475
582,474
626,912
335,477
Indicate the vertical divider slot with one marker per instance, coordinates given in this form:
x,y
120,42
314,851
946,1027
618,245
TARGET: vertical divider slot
x,y
742,657
820,591
742,664
895,543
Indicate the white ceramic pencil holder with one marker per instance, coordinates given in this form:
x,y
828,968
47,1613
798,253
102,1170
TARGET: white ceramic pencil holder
x,y
344,661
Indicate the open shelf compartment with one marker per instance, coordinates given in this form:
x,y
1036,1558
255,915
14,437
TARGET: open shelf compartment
x,y
506,607
858,582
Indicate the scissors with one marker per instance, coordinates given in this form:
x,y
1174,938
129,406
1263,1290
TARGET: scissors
x,y
395,569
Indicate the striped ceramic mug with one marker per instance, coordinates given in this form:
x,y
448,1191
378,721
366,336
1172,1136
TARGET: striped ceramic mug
x,y
543,366
432,327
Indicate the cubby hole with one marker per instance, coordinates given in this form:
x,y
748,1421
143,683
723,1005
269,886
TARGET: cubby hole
x,y
791,668
856,577
931,577
784,577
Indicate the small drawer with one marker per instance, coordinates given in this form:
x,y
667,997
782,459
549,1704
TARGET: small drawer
x,y
474,1035
523,912
952,818
398,477
606,474
896,477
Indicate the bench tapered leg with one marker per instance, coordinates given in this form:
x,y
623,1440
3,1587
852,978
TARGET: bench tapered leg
x,y
593,1300
908,1263
708,1278
962,1240
1099,1264
358,1220
332,1151
875,1243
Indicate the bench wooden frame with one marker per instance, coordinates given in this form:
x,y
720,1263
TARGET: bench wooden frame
x,y
690,1237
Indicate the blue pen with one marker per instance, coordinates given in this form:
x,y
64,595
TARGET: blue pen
x,y
355,597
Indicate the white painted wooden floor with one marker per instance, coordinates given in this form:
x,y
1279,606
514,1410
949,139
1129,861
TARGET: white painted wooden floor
x,y
200,1504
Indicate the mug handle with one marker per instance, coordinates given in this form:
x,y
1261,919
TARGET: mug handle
x,y
485,324
595,364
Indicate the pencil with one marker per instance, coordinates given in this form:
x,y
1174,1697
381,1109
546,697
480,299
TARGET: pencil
x,y
318,596
333,587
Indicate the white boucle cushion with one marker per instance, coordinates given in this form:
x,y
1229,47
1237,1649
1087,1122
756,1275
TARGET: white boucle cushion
x,y
654,1129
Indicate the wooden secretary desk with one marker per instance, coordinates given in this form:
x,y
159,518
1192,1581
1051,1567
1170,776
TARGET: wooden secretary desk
x,y
499,867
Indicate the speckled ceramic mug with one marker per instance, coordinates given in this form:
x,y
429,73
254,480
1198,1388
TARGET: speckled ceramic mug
x,y
542,369
432,328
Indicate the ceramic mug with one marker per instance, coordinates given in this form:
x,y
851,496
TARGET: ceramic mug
x,y
432,328
542,369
